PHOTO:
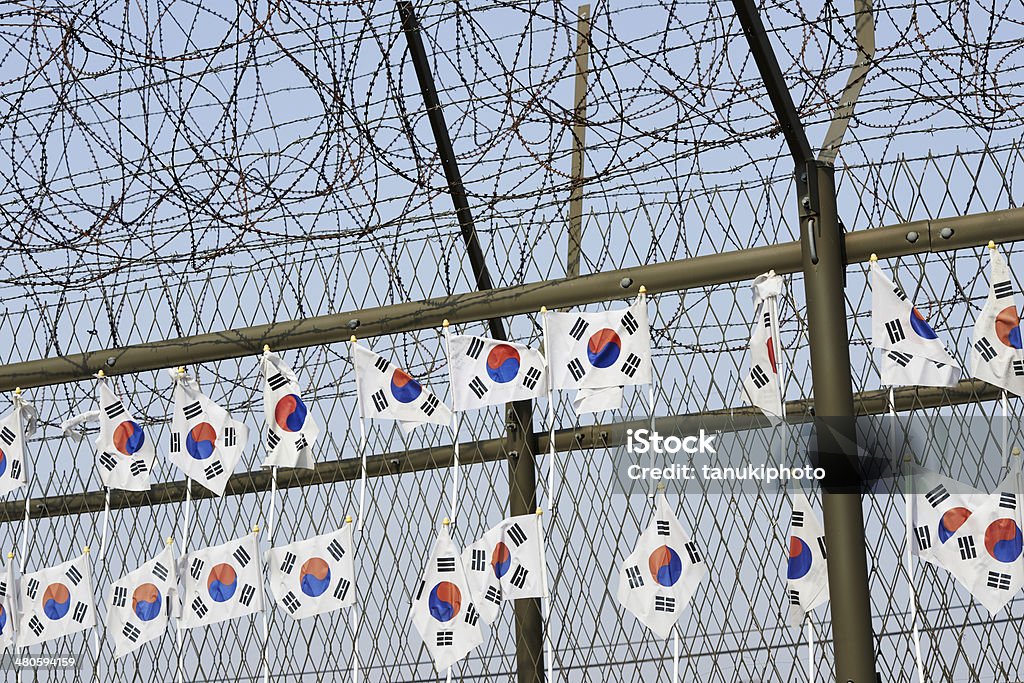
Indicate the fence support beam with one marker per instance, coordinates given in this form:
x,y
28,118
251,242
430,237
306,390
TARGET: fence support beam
x,y
579,143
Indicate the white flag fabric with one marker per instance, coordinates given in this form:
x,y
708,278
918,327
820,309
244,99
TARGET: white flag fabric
x,y
597,400
443,609
939,507
662,573
124,452
507,563
15,428
912,353
985,552
8,608
486,372
291,429
206,443
56,602
996,355
599,350
314,576
221,582
806,571
762,384
139,603
386,392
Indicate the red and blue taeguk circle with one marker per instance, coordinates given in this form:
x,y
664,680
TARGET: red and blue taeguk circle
x,y
201,441
290,413
314,577
604,348
404,388
503,363
951,520
128,437
665,566
222,582
147,602
56,601
1003,540
800,558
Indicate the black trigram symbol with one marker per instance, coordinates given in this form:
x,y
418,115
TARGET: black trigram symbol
x,y
664,603
199,607
242,555
175,442
276,381
478,387
516,533
493,594
895,331
291,602
821,547
1003,289
131,632
80,611
120,596
113,410
336,549
901,359
272,439
759,377
248,593
898,291
798,519
794,597
478,563
472,617
579,328
160,571
341,590
229,436
937,495
33,588
430,404
301,444
998,580
766,320
634,577
476,345
15,469
967,549
576,369
445,564
7,435
445,638
984,347
215,469
196,569
289,562
36,625
3,589
1008,500
193,410
419,593
519,577
74,575
381,364
629,322
137,467
380,401
531,378
663,527
631,365
1018,368
108,461
693,552
924,537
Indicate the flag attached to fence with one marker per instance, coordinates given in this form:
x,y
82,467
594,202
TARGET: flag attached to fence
x,y
487,372
806,570
386,392
139,603
8,609
15,428
985,552
314,576
762,385
939,507
598,353
221,582
996,355
507,563
291,429
443,609
912,353
663,572
56,602
205,442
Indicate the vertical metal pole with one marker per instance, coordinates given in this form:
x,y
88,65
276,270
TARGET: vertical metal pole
x,y
579,139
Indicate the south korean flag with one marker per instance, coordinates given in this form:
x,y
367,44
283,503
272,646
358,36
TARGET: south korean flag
x,y
762,385
138,604
444,612
807,568
291,429
8,605
912,354
662,573
56,602
386,392
985,552
996,355
487,372
507,563
939,507
314,576
205,442
221,582
598,353
15,428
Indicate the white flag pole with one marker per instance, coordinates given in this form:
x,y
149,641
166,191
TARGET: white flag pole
x,y
675,654
273,469
95,631
25,523
545,600
264,658
550,414
362,452
909,513
185,537
353,617
810,648
1004,403
455,424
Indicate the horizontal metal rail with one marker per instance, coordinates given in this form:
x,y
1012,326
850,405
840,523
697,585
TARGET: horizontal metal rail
x,y
488,450
918,237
